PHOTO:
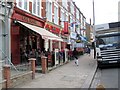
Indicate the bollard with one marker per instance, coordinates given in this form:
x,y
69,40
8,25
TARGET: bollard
x,y
6,75
32,60
44,64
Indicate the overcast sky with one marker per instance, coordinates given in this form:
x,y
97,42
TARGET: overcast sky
x,y
106,11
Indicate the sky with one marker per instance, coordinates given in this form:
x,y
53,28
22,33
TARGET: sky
x,y
106,11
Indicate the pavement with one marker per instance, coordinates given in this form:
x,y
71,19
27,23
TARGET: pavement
x,y
67,76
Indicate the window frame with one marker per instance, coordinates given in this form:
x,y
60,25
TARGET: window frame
x,y
55,14
62,17
49,10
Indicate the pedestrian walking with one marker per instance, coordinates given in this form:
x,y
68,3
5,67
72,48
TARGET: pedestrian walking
x,y
88,50
75,53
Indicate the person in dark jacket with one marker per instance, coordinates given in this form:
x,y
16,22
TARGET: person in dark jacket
x,y
75,53
88,50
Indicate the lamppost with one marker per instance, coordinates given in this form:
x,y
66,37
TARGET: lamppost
x,y
5,12
6,8
94,32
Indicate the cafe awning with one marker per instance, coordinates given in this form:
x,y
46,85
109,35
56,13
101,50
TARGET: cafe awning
x,y
43,32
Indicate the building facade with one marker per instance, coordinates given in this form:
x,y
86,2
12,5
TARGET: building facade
x,y
77,27
89,32
22,37
44,24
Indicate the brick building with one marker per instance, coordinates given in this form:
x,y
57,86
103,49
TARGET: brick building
x,y
44,24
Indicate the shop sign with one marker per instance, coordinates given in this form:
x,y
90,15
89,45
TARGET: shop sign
x,y
52,28
29,20
65,27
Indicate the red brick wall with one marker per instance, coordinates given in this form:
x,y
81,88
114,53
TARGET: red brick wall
x,y
44,8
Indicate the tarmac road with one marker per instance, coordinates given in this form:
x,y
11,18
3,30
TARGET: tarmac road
x,y
107,77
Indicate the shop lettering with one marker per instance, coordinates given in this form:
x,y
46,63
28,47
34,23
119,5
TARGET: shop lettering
x,y
29,20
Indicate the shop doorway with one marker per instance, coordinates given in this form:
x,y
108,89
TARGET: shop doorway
x,y
29,41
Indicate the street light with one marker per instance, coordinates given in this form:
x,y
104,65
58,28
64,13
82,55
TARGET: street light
x,y
94,30
6,8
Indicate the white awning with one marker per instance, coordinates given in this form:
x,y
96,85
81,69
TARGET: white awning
x,y
43,32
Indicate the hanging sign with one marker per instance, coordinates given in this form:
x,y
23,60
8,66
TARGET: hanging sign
x,y
65,27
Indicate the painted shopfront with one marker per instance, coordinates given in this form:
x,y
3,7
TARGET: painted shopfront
x,y
22,38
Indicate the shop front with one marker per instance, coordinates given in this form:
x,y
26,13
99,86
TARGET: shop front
x,y
28,34
23,39
55,29
58,46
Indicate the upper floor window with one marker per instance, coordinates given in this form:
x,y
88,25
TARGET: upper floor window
x,y
77,14
23,4
71,20
78,26
49,10
55,14
37,7
72,8
81,21
33,6
84,23
65,4
20,3
62,18
66,17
